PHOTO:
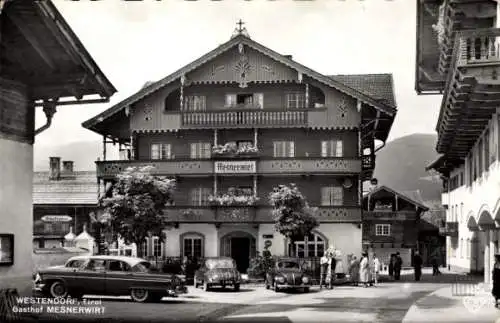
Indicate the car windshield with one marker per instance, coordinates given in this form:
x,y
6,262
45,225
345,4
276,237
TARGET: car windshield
x,y
142,267
288,265
220,263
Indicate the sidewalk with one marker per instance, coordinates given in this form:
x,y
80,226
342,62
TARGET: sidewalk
x,y
442,306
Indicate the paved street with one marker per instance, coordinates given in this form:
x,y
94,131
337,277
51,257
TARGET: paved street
x,y
388,302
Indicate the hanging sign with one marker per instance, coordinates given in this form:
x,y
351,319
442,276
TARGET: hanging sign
x,y
56,218
235,167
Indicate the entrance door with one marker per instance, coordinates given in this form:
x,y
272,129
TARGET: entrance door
x,y
240,252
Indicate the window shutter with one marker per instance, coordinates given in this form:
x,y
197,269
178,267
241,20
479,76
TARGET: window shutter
x,y
339,152
193,150
291,152
325,196
258,99
324,148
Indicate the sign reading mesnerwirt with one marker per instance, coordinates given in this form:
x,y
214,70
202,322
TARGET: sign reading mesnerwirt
x,y
56,218
235,167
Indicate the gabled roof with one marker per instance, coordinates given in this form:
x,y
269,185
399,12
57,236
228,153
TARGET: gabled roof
x,y
82,189
413,197
241,39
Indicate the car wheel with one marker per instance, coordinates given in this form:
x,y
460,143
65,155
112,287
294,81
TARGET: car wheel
x,y
267,285
139,295
275,287
306,289
236,287
206,286
58,289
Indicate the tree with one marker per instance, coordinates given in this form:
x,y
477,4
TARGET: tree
x,y
136,208
293,217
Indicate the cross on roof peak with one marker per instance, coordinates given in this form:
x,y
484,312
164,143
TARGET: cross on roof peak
x,y
240,24
240,30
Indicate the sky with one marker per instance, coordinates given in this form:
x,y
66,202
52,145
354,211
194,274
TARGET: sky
x,y
134,42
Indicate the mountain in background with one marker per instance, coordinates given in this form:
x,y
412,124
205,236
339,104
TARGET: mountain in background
x,y
401,164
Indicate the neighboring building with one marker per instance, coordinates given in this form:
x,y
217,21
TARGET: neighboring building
x,y
42,64
62,201
391,223
242,120
461,60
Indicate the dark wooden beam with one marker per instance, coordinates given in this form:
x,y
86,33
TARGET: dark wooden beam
x,y
24,28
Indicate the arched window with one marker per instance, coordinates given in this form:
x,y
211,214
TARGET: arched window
x,y
468,248
461,248
313,245
192,245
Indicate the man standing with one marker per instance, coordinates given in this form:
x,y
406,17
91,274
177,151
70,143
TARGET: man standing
x,y
376,268
417,265
398,263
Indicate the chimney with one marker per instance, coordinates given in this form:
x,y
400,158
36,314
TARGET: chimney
x,y
54,168
68,167
289,56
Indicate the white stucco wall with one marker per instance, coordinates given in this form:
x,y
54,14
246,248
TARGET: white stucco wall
x,y
16,215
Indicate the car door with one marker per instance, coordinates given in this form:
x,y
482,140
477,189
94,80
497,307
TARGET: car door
x,y
118,277
92,277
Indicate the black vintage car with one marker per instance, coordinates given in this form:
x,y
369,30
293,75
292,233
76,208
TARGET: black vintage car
x,y
218,271
109,275
288,273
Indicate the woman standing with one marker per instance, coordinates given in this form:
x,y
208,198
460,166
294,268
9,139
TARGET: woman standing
x,y
391,265
354,271
496,279
364,270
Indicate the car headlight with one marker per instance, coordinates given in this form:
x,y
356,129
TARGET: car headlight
x,y
38,278
280,279
305,280
215,277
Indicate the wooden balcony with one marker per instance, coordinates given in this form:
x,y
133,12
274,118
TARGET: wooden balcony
x,y
205,167
254,214
389,216
244,118
450,229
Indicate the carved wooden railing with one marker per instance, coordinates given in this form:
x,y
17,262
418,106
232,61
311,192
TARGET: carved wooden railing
x,y
478,46
330,165
389,215
254,214
245,118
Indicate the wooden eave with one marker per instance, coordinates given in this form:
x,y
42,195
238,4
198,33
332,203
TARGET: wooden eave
x,y
399,195
444,165
41,50
387,110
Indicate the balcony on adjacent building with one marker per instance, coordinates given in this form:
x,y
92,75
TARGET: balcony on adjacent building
x,y
449,229
254,214
389,216
259,166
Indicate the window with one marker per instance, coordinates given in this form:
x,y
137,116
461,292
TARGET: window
x,y
115,265
383,229
486,150
230,100
245,100
195,103
96,265
199,195
192,246
200,150
144,248
295,100
161,151
332,148
468,248
332,195
480,153
312,246
462,248
56,228
157,247
284,148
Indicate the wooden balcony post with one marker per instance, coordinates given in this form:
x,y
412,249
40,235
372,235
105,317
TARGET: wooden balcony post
x,y
215,184
132,147
216,135
397,206
255,135
104,148
307,95
181,98
255,185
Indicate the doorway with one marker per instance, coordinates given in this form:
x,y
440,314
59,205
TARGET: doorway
x,y
240,252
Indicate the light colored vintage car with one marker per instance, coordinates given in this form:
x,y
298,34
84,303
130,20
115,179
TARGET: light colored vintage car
x,y
218,271
108,275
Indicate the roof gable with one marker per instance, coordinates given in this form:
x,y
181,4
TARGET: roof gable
x,y
337,84
415,199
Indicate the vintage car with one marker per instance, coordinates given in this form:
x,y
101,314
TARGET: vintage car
x,y
288,273
109,275
217,271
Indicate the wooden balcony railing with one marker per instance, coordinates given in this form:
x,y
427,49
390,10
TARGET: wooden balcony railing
x,y
389,215
478,46
253,214
244,118
299,165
